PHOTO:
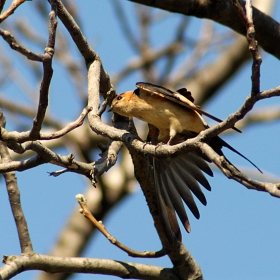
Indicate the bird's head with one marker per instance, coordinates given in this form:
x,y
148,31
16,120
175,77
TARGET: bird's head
x,y
123,104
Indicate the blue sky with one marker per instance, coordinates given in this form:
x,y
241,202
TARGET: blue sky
x,y
237,236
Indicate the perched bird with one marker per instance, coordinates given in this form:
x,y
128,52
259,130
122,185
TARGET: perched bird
x,y
174,118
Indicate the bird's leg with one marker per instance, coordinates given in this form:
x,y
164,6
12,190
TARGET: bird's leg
x,y
169,141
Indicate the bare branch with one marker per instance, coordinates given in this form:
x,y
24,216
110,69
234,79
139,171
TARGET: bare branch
x,y
74,237
21,137
15,4
14,198
253,44
46,155
21,165
98,224
108,158
10,39
17,264
47,76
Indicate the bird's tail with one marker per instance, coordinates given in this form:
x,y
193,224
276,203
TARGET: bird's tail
x,y
217,143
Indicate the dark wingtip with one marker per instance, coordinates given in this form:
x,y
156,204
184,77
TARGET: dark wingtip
x,y
187,226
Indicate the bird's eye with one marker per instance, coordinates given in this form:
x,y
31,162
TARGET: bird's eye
x,y
119,97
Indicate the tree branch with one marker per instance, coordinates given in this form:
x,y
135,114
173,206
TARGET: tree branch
x,y
14,198
10,39
21,137
15,4
253,44
17,264
47,76
99,225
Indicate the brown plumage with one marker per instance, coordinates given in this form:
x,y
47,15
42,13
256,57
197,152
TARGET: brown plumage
x,y
176,118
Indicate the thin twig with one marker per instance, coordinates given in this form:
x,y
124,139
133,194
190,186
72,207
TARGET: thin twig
x,y
47,76
247,18
10,39
21,137
46,155
15,4
85,211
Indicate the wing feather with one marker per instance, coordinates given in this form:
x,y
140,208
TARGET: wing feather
x,y
175,181
177,98
166,211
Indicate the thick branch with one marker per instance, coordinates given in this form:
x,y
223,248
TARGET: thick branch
x,y
17,264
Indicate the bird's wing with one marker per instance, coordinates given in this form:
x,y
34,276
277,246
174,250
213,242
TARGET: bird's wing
x,y
176,179
176,97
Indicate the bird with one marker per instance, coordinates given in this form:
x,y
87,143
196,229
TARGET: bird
x,y
173,117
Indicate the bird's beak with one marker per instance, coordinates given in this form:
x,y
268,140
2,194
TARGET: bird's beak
x,y
111,109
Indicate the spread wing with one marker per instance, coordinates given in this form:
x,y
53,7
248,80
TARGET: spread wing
x,y
177,180
177,98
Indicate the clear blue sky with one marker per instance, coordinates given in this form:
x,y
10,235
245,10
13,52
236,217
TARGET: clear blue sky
x,y
237,236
